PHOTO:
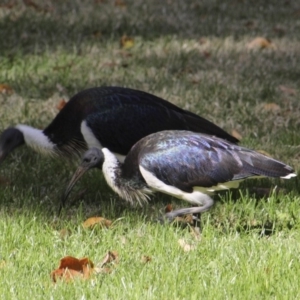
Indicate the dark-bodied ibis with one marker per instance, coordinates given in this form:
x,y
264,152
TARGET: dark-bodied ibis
x,y
187,165
111,117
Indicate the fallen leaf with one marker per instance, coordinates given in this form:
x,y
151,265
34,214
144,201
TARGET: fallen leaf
x,y
97,34
32,4
61,104
236,134
272,107
206,54
71,267
260,43
126,42
287,90
120,3
91,222
250,24
6,89
184,220
185,246
64,233
168,208
146,259
110,257
8,5
4,181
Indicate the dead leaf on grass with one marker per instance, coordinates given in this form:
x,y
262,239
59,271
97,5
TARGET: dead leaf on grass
x,y
185,246
236,134
120,3
110,257
146,259
4,181
64,233
168,208
93,221
5,89
287,90
71,267
271,107
260,43
61,104
126,42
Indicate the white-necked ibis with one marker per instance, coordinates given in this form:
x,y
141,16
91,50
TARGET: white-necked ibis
x,y
184,164
111,117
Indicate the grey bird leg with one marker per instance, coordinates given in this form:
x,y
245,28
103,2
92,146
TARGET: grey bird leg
x,y
209,202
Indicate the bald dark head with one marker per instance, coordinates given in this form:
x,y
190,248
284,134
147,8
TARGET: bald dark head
x,y
9,140
92,158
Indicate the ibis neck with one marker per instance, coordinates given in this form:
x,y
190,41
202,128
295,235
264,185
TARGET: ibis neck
x,y
133,190
36,139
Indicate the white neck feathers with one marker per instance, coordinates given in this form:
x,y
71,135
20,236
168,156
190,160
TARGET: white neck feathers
x,y
36,139
92,141
112,169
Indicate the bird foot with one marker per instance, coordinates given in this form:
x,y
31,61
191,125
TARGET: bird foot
x,y
173,217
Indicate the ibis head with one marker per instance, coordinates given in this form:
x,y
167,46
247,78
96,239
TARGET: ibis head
x,y
10,139
93,158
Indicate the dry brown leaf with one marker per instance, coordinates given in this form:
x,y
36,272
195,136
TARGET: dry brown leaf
x,y
168,208
272,107
5,89
236,134
185,246
61,104
120,3
71,267
146,259
64,233
97,34
4,181
126,42
184,220
260,43
91,222
110,257
287,90
9,4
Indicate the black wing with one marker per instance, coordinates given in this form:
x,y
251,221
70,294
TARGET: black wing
x,y
187,159
124,116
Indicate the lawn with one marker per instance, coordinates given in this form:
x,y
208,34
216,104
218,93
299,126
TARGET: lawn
x,y
199,55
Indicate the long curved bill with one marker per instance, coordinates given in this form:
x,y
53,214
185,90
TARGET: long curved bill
x,y
77,175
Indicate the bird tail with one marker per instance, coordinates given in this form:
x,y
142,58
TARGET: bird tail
x,y
258,164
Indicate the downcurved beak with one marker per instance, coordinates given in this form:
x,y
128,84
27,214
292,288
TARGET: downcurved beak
x,y
77,175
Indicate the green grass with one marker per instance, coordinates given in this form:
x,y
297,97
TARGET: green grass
x,y
193,53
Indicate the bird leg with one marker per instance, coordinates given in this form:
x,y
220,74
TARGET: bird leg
x,y
209,202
